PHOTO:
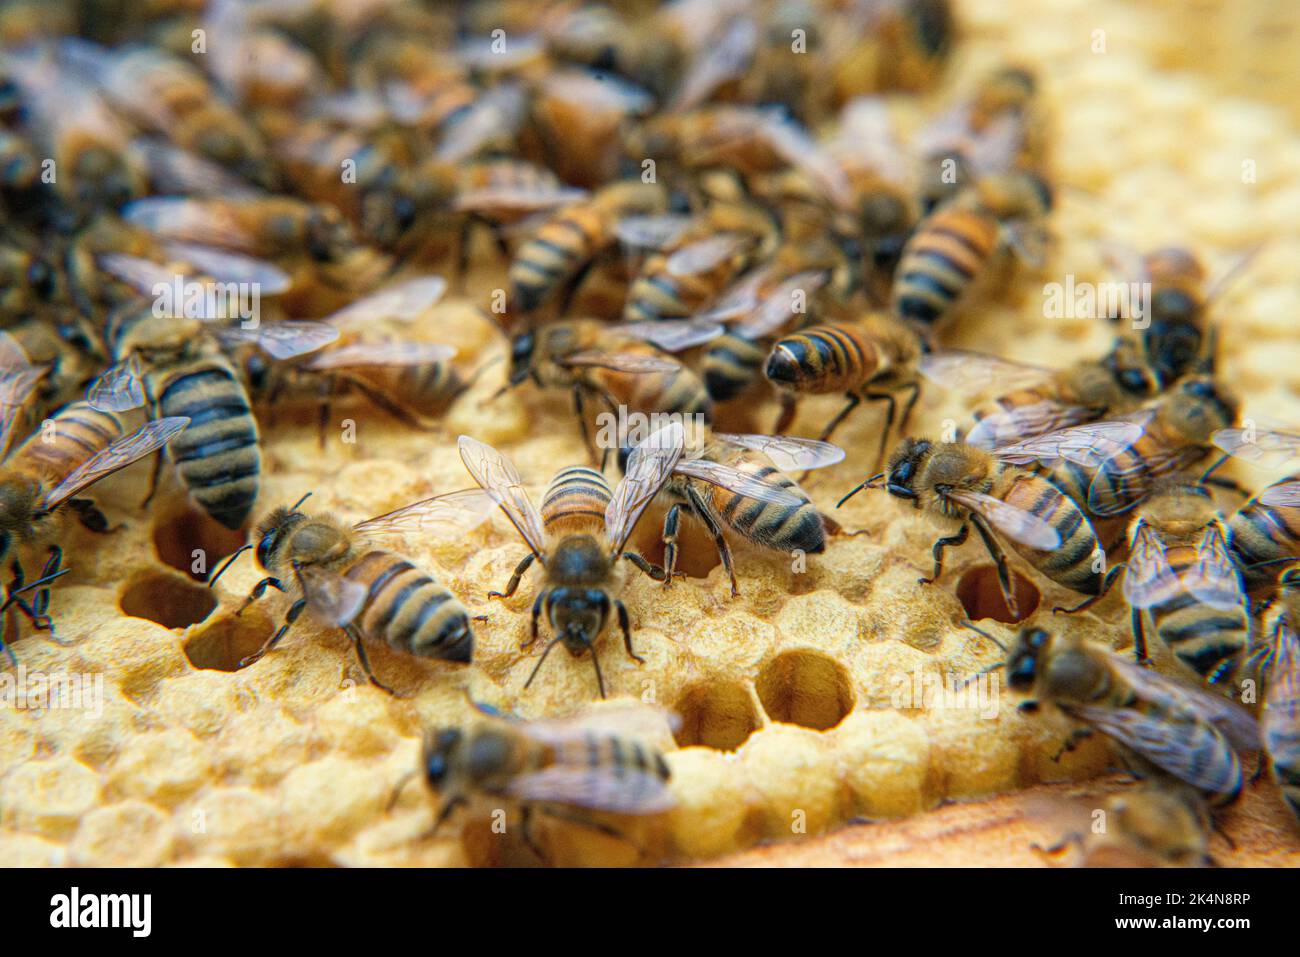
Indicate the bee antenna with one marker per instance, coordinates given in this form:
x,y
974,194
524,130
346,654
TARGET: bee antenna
x,y
872,482
554,641
298,504
600,681
981,631
397,791
227,563
11,597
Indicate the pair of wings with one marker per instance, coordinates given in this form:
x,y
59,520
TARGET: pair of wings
x,y
18,380
1151,580
1266,448
117,455
399,304
756,307
787,454
1182,723
648,467
674,336
1084,445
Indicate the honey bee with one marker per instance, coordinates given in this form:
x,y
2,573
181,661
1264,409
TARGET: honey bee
x,y
1176,431
350,582
958,248
578,118
45,478
174,364
1280,718
578,537
1000,497
555,257
1264,533
892,45
736,483
1165,727
625,365
1153,825
567,767
598,37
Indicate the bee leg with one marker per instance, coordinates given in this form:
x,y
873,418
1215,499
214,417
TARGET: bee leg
x,y
536,617
789,406
1091,599
1000,560
1077,736
915,390
654,571
258,591
571,287
513,585
4,642
355,635
580,410
891,412
951,541
41,601
1139,637
671,523
290,617
526,830
626,625
854,401
719,540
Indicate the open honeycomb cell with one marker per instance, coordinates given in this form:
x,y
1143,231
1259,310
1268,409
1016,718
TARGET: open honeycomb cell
x,y
792,721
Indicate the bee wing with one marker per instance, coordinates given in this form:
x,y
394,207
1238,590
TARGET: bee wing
x,y
497,476
648,467
1281,714
12,355
405,301
119,389
1235,723
452,513
788,453
620,361
384,354
1282,495
617,789
333,599
623,719
137,272
499,110
117,455
1024,422
726,56
1149,579
639,233
973,373
283,340
739,300
704,254
223,266
179,172
801,151
16,385
1136,481
1232,273
742,483
1086,445
187,220
1267,449
1015,523
1214,579
603,92
788,299
1177,746
520,199
675,336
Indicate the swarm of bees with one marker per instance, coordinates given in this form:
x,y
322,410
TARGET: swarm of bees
x,y
694,209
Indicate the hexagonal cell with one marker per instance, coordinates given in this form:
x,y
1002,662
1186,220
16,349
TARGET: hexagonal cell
x,y
718,715
168,599
806,688
981,595
180,535
222,645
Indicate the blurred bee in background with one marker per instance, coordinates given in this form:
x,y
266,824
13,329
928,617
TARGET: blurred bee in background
x,y
894,45
599,37
996,493
1264,534
1280,717
175,365
578,537
1165,727
350,582
564,767
1158,824
625,365
735,483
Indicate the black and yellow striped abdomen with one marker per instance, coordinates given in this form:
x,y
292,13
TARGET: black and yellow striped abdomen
x,y
1208,640
218,456
1282,741
783,528
553,255
1261,533
593,750
575,502
409,609
658,293
75,434
1075,563
950,249
681,391
732,364
823,359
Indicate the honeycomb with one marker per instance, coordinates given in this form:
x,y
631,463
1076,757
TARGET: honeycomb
x,y
788,694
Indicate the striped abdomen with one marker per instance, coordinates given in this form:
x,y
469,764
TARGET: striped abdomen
x,y
409,609
218,456
1262,533
640,764
681,392
1073,563
783,528
732,364
948,251
660,294
830,358
1127,477
575,502
1208,640
79,433
554,254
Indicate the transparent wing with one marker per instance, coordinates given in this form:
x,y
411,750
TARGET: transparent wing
x,y
452,513
188,220
1267,449
801,151
726,56
1282,495
12,356
137,272
674,336
1149,579
648,467
1015,523
651,232
223,266
1014,425
1086,445
622,719
739,300
742,483
173,170
974,373
333,599
405,301
497,475
789,298
391,353
1236,723
118,455
604,92
1214,579
603,788
283,340
519,199
705,254
788,453
1114,490
620,361
16,386
119,389
498,111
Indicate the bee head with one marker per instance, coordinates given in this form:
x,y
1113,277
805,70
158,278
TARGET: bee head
x,y
522,347
904,464
439,751
1198,406
1024,658
274,530
579,615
